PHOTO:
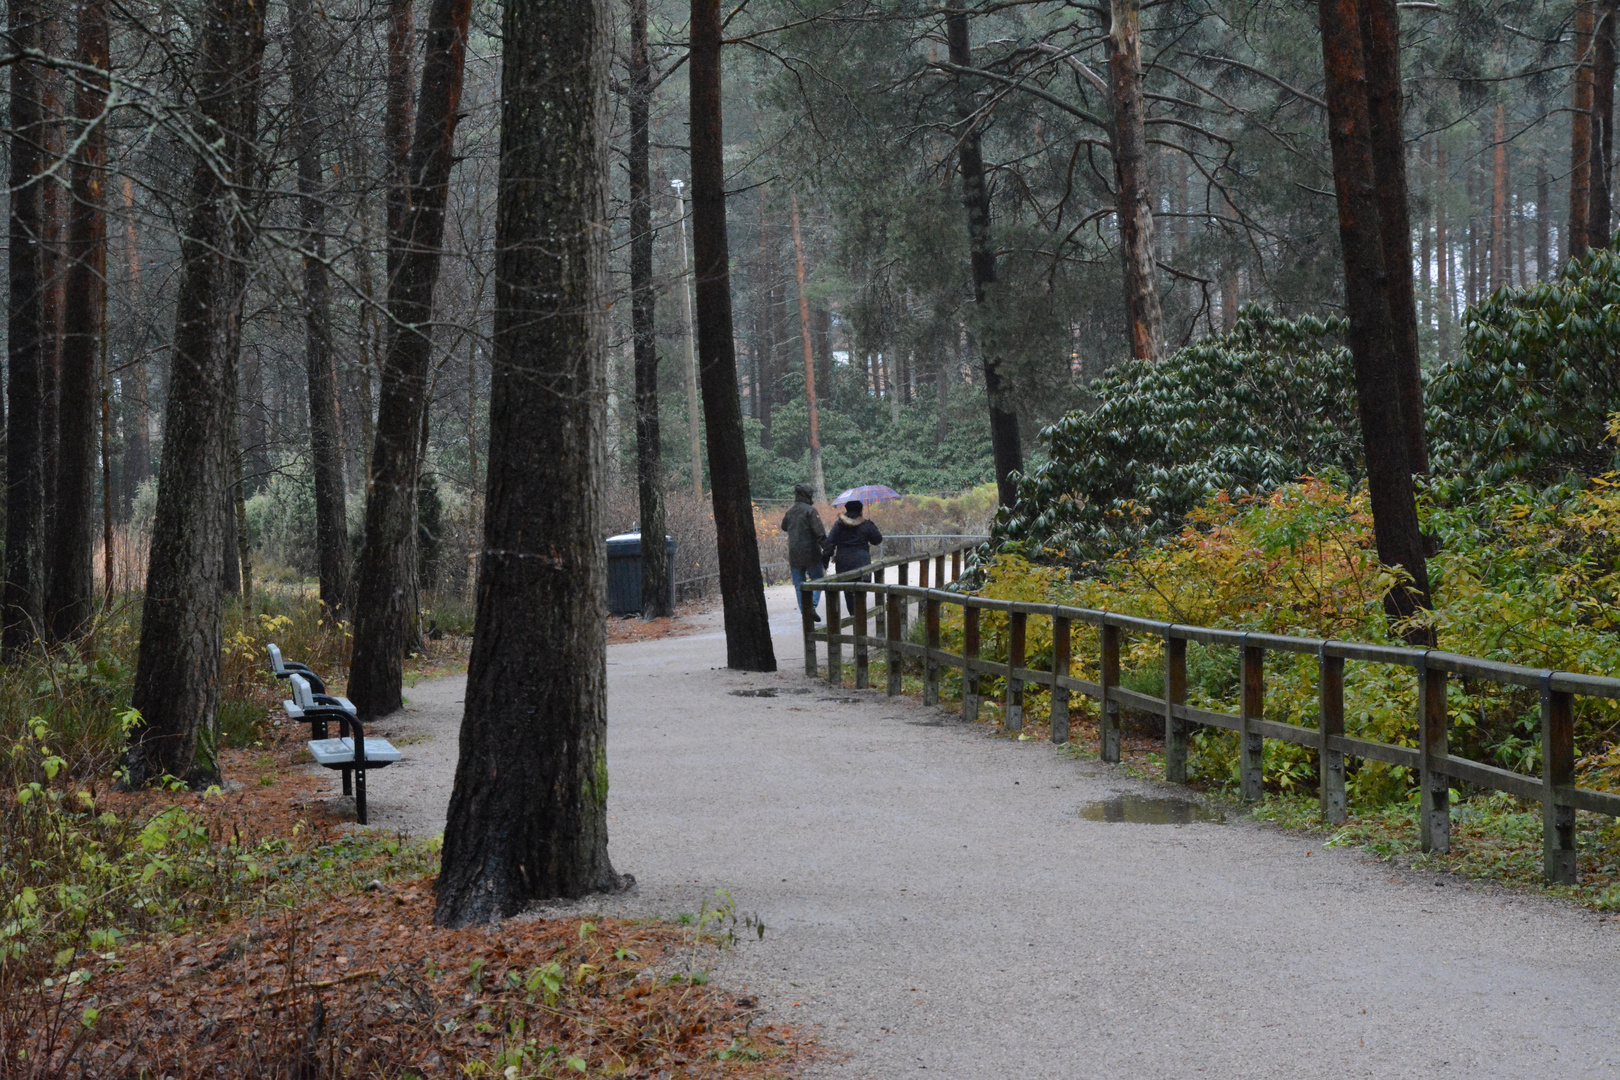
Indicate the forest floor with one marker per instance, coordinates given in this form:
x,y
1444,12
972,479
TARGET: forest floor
x,y
315,955
936,897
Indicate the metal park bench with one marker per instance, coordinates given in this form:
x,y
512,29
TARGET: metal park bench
x,y
351,753
283,669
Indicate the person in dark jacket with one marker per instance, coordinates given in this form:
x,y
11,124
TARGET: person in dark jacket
x,y
849,543
806,534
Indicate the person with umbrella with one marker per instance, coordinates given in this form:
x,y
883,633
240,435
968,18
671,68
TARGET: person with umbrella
x,y
849,544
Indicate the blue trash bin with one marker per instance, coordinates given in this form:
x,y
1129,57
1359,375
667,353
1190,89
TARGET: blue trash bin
x,y
624,573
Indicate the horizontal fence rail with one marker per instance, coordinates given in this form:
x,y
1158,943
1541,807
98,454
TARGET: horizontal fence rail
x,y
891,603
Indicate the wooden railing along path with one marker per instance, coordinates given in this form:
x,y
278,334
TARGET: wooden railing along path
x,y
1554,789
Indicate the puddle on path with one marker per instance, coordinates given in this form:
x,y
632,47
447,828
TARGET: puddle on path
x,y
1146,810
770,691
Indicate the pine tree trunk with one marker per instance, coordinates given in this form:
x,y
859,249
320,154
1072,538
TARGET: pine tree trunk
x,y
385,600
1580,134
70,571
1499,246
1135,199
136,467
177,668
1544,260
398,119
325,433
742,586
818,480
528,816
1006,445
655,602
1599,227
1442,245
1381,51
25,344
1378,367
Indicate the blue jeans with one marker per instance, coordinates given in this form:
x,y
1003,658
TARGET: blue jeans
x,y
801,574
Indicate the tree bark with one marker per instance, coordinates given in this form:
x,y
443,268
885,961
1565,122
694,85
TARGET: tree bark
x,y
655,603
1378,369
136,467
25,345
1442,247
325,432
1580,134
742,587
177,667
1135,199
1499,199
1381,50
1599,227
398,119
818,479
70,600
1005,443
384,613
528,815
1544,259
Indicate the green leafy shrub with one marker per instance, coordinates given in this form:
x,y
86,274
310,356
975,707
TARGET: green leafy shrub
x,y
1245,413
1530,393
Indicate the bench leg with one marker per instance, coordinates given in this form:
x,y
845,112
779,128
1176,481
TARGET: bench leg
x,y
346,788
320,729
360,795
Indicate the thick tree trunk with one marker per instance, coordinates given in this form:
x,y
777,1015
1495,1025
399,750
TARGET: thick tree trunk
x,y
742,587
655,604
25,344
1135,199
818,479
384,615
1599,227
325,433
528,816
70,600
1005,443
1580,134
177,668
1378,367
1381,50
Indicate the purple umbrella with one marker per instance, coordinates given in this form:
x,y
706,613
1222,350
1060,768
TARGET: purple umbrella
x,y
868,495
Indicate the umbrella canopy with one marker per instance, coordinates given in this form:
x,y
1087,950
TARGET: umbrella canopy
x,y
868,494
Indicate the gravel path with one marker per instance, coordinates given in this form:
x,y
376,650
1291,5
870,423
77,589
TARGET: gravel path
x,y
936,904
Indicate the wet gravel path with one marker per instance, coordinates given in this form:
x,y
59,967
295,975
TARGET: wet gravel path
x,y
938,904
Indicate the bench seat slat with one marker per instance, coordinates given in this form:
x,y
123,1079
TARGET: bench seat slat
x,y
336,753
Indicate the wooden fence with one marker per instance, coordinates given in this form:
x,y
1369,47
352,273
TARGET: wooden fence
x,y
1554,789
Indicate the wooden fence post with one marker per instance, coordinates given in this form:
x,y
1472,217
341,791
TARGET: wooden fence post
x,y
1434,786
956,565
939,571
1252,745
902,574
931,651
807,616
1061,644
1557,772
891,636
1108,708
1330,761
1175,693
970,658
862,658
835,644
1017,625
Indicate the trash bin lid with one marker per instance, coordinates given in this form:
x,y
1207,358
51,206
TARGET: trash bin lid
x,y
624,544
